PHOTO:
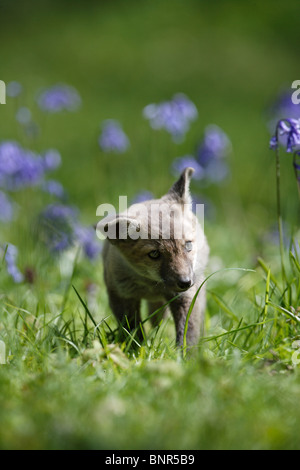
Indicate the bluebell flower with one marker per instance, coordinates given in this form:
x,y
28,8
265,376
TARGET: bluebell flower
x,y
21,168
59,98
56,224
273,143
287,134
180,163
287,127
210,163
30,172
51,159
60,230
55,188
113,138
185,107
214,146
282,106
211,154
290,128
87,239
175,116
11,260
10,160
6,208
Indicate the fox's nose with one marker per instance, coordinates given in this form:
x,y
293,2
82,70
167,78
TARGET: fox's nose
x,y
184,283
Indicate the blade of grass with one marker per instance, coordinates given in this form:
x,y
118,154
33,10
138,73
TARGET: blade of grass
x,y
295,261
267,293
285,311
67,290
252,325
132,339
3,257
195,298
266,270
66,340
159,309
88,313
223,306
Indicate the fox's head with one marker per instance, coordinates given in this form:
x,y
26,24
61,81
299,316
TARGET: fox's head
x,y
160,238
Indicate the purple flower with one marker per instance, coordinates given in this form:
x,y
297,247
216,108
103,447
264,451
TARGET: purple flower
x,y
113,138
290,128
21,168
6,208
174,116
288,134
283,106
54,188
10,160
60,230
185,107
180,163
273,143
59,98
52,159
56,227
60,211
11,259
214,146
88,240
211,153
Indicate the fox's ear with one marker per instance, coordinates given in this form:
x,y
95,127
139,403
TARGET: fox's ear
x,y
118,228
180,190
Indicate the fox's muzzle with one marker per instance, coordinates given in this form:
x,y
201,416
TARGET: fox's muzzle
x,y
184,283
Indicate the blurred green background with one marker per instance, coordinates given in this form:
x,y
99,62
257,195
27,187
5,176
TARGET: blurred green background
x,y
231,58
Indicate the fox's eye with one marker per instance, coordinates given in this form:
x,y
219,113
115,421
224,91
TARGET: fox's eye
x,y
188,246
154,254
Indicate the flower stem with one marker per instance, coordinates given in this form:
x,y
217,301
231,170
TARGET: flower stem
x,y
279,218
297,170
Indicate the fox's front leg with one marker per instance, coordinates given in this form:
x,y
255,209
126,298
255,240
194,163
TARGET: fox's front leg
x,y
127,311
180,308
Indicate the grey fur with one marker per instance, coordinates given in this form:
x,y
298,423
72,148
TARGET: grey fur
x,y
130,275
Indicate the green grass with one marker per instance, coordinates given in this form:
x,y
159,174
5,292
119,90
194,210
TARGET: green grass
x,y
72,379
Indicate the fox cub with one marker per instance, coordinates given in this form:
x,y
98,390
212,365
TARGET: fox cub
x,y
157,251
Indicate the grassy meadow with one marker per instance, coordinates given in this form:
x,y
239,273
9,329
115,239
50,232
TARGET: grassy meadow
x,y
68,378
